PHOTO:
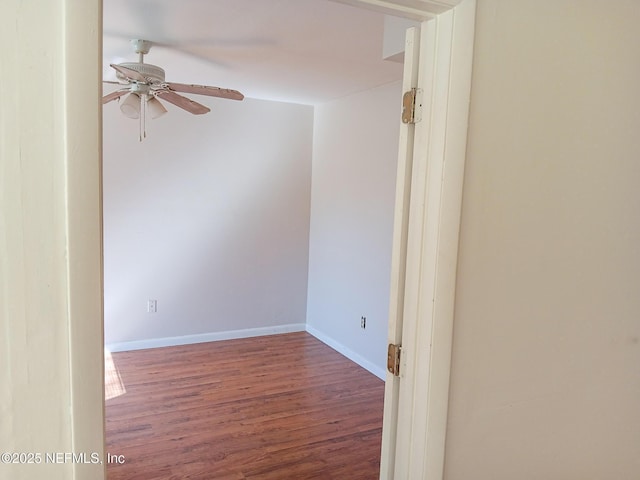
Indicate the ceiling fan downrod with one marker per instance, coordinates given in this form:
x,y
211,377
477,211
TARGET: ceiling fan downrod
x,y
141,47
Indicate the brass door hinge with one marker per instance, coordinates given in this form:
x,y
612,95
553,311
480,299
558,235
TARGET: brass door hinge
x,y
393,359
412,106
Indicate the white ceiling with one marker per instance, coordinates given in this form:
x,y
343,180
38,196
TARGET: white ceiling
x,y
302,51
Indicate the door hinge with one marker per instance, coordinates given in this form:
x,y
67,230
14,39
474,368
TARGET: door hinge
x,y
393,359
412,106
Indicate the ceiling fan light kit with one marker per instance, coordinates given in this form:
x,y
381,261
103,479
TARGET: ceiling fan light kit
x,y
156,109
144,83
130,107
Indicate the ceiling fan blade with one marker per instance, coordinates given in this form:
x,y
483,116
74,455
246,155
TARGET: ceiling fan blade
x,y
112,83
206,90
182,102
131,74
113,95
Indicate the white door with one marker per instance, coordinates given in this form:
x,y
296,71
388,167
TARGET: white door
x,y
399,255
427,217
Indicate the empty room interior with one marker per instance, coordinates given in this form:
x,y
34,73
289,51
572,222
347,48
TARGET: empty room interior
x,y
268,219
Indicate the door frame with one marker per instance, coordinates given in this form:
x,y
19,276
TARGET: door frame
x,y
426,233
426,290
83,194
446,54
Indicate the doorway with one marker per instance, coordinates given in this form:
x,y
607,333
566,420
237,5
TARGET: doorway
x,y
82,334
142,209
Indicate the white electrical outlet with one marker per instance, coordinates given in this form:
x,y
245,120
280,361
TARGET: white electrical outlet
x,y
152,306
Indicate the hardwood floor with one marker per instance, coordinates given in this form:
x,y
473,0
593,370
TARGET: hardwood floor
x,y
271,408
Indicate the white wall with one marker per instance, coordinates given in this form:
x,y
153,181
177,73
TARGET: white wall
x,y
353,191
393,40
210,216
546,362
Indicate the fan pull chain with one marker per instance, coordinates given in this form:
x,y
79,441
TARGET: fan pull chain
x,y
140,119
143,112
143,127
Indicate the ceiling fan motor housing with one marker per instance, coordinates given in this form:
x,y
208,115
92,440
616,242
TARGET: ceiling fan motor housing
x,y
153,73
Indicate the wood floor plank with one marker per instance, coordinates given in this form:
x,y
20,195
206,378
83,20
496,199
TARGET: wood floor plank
x,y
268,408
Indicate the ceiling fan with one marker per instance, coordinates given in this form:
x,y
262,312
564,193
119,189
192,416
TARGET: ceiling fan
x,y
143,84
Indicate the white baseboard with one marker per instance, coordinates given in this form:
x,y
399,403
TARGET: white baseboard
x,y
350,354
246,333
204,337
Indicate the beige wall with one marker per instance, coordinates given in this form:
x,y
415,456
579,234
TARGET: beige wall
x,y
546,362
50,307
